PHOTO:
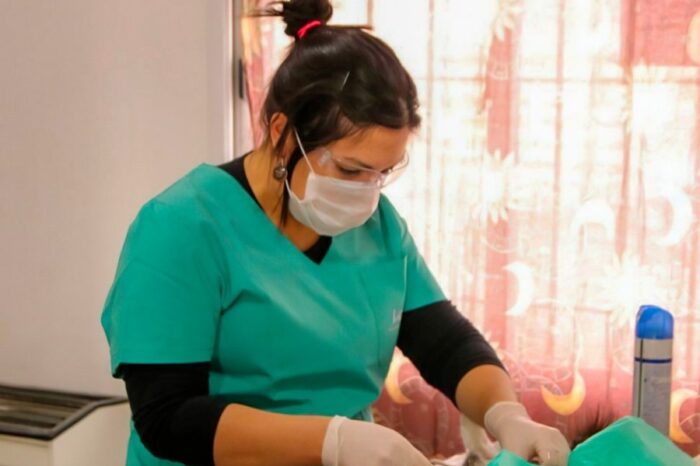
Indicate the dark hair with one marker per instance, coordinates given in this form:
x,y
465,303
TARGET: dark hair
x,y
602,418
333,82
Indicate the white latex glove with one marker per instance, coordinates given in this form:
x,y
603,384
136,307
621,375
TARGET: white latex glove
x,y
510,424
359,443
480,450
697,460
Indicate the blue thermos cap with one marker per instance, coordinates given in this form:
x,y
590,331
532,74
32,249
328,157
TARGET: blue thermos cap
x,y
654,323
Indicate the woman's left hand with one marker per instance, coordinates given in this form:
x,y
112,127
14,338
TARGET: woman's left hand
x,y
510,424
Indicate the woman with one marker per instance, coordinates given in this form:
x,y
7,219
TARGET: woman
x,y
256,304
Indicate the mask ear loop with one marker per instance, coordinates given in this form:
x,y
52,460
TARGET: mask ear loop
x,y
308,162
303,152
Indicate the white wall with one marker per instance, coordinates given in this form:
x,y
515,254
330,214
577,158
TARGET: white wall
x,y
103,104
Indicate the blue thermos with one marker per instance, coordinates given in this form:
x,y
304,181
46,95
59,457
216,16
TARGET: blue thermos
x,y
653,358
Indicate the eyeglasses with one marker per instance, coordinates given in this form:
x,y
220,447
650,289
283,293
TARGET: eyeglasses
x,y
352,171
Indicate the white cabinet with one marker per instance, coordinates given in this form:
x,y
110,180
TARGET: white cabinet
x,y
44,428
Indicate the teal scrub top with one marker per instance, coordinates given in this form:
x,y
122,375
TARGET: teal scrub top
x,y
205,275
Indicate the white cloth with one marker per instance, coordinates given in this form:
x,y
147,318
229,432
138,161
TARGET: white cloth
x,y
480,450
457,460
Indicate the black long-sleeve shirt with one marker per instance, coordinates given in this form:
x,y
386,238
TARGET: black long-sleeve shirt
x,y
176,417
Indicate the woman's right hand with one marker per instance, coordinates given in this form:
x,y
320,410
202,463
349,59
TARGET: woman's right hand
x,y
359,443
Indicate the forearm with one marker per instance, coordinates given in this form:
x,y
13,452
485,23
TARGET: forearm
x,y
250,437
443,345
481,388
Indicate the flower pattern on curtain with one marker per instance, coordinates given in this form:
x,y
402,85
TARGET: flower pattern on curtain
x,y
554,187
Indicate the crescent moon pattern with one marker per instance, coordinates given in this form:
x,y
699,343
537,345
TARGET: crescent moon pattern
x,y
682,217
526,288
675,430
392,382
566,404
595,211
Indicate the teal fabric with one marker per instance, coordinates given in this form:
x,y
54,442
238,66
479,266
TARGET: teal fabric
x,y
506,458
629,441
204,275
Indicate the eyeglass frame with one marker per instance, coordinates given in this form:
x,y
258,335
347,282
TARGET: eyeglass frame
x,y
381,176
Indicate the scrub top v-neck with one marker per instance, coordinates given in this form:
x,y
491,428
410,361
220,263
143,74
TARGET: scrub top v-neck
x,y
236,169
204,275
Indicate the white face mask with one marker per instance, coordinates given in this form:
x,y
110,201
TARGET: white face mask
x,y
332,206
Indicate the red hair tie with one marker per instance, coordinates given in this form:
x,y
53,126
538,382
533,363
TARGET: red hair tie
x,y
307,26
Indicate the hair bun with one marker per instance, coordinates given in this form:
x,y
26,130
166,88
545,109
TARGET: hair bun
x,y
298,13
